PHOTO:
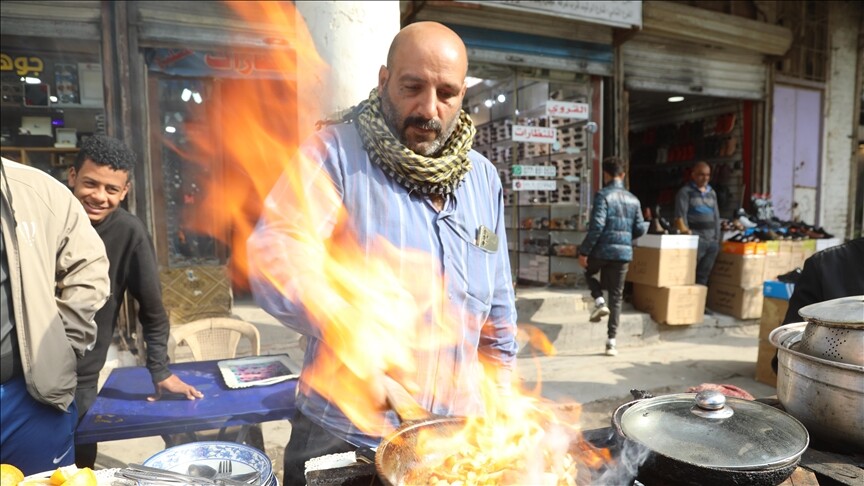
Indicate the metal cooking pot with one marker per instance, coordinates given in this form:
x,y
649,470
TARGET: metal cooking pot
x,y
827,396
707,438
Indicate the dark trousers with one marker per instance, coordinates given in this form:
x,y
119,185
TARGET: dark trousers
x,y
308,440
612,275
85,454
705,256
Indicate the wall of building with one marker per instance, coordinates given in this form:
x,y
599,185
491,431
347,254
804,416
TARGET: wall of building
x,y
838,149
353,39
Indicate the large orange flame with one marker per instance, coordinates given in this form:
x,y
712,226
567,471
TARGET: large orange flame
x,y
371,305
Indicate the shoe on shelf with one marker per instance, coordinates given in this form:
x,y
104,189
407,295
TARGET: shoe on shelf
x,y
611,350
655,228
599,312
682,226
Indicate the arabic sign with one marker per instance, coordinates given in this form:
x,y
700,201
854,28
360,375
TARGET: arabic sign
x,y
525,133
535,170
567,109
539,185
22,65
618,13
185,62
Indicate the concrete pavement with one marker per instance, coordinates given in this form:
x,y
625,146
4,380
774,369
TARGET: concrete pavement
x,y
658,358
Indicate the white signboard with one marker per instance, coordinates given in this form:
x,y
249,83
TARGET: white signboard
x,y
617,13
525,133
535,170
523,185
567,109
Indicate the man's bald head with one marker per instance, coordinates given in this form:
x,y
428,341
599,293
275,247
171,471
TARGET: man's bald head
x,y
422,86
701,174
429,34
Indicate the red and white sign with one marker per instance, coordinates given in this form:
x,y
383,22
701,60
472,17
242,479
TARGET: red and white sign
x,y
567,109
525,133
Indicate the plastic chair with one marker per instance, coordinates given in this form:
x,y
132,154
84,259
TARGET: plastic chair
x,y
212,339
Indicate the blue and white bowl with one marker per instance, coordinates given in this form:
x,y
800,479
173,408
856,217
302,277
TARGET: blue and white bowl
x,y
244,459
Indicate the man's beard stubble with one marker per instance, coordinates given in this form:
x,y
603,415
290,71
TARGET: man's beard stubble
x,y
429,149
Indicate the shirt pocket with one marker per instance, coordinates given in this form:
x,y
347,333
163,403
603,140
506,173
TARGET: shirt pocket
x,y
480,278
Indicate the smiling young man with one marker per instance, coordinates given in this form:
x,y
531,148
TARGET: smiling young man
x,y
100,180
402,164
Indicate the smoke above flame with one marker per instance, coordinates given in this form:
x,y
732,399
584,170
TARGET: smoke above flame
x,y
373,306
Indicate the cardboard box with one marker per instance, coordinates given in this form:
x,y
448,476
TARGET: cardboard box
x,y
662,267
776,264
671,242
764,372
676,305
777,290
772,247
785,246
744,271
735,301
773,313
750,248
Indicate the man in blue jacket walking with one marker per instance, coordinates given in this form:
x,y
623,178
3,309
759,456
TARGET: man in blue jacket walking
x,y
616,220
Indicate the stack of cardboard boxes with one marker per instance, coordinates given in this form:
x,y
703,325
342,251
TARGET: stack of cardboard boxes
x,y
735,284
663,272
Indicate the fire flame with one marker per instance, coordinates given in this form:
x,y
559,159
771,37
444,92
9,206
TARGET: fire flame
x,y
373,312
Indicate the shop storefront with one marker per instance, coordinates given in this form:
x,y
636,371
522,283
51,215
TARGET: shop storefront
x,y
51,82
537,80
697,87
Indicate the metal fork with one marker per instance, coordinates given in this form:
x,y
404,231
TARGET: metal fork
x,y
224,467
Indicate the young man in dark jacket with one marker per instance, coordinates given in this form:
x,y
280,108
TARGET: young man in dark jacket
x,y
100,180
616,219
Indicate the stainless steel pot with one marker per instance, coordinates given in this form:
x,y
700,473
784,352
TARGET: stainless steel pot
x,y
826,396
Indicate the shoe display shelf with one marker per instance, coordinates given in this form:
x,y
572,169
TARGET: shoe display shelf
x,y
545,220
664,148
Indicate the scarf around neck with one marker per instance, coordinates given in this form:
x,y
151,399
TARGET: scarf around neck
x,y
428,175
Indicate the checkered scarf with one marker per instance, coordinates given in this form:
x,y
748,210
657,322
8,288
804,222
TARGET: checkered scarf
x,y
428,175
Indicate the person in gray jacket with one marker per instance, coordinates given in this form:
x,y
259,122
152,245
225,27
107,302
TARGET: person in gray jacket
x,y
53,279
616,220
696,204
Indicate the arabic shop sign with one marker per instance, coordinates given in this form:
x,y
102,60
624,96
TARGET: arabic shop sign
x,y
186,62
539,185
21,65
567,109
525,133
535,170
617,13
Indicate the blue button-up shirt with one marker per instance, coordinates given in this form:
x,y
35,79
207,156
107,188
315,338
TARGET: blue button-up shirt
x,y
477,291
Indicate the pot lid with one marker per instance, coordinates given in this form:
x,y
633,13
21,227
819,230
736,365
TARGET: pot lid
x,y
711,430
842,312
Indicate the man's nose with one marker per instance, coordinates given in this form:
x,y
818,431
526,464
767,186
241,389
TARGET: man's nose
x,y
99,194
428,105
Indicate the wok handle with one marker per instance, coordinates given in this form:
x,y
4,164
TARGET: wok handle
x,y
405,406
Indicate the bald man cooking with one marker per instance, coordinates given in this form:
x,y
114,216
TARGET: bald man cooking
x,y
402,164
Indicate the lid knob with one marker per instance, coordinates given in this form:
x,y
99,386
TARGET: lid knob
x,y
710,400
711,404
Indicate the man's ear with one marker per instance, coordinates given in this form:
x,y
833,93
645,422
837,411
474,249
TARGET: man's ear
x,y
383,75
70,177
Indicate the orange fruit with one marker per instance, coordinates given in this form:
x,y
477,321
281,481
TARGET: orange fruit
x,y
84,477
62,474
10,475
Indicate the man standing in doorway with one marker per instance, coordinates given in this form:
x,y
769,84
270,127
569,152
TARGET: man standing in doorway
x,y
616,220
99,179
696,203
